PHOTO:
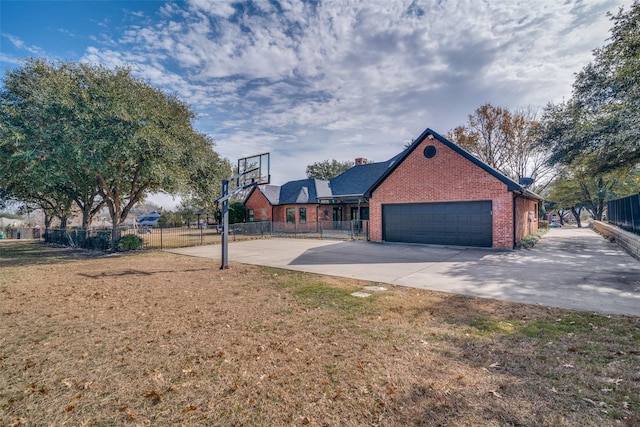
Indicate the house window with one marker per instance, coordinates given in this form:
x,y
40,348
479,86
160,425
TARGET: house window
x,y
263,212
291,215
359,214
364,214
303,215
250,215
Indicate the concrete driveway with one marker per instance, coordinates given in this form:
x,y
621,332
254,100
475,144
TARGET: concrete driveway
x,y
569,268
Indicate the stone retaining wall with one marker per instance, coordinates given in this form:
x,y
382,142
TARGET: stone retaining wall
x,y
628,241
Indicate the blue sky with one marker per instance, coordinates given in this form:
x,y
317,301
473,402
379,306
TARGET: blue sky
x,y
316,80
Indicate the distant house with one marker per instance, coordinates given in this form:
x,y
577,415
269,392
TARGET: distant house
x,y
433,192
150,219
554,216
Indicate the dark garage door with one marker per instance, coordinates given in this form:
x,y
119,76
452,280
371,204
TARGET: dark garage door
x,y
441,223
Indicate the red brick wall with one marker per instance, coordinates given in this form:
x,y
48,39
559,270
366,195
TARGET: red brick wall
x,y
526,223
260,205
447,177
325,212
280,212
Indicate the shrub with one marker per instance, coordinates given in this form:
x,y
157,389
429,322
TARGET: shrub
x,y
530,240
130,242
543,224
100,242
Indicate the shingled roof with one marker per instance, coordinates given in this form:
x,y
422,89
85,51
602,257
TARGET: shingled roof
x,y
292,192
361,180
358,179
353,182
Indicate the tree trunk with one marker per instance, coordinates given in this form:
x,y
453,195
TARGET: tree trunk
x,y
116,229
576,215
600,210
561,214
85,219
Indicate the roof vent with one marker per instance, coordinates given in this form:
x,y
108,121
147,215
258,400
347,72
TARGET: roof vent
x,y
526,182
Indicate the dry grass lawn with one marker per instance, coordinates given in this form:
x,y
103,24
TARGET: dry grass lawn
x,y
159,339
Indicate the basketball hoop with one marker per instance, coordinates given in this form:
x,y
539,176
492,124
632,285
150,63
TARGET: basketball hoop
x,y
252,170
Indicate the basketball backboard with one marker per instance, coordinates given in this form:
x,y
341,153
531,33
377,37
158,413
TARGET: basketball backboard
x,y
253,170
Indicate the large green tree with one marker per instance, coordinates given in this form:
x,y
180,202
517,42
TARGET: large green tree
x,y
103,134
206,181
577,187
602,118
35,167
327,169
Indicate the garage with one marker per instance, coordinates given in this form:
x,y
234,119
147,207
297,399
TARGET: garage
x,y
439,223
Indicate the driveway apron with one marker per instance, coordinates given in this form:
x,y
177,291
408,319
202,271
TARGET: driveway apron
x,y
569,268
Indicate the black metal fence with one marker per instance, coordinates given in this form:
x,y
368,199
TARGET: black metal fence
x,y
21,233
97,240
152,238
625,213
352,230
165,238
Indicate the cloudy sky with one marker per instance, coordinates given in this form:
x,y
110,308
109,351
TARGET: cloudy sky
x,y
314,80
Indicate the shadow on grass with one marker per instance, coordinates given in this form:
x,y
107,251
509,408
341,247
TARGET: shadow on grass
x,y
15,253
131,272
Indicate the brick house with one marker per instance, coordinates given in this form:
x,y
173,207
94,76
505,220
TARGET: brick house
x,y
312,201
294,204
434,192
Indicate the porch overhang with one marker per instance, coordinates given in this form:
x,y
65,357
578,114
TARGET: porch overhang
x,y
345,199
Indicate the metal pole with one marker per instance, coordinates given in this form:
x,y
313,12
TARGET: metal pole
x,y
225,225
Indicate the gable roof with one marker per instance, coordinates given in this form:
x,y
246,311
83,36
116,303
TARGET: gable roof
x,y
358,179
272,193
292,192
362,180
511,184
302,191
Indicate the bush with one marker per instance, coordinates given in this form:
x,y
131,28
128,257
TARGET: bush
x,y
100,242
530,240
543,224
130,242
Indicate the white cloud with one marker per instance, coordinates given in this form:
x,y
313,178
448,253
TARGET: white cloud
x,y
8,59
336,78
220,8
22,45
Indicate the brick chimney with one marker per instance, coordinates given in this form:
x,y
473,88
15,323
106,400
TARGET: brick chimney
x,y
361,161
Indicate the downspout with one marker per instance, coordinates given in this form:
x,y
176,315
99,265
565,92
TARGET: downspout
x,y
515,219
367,201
